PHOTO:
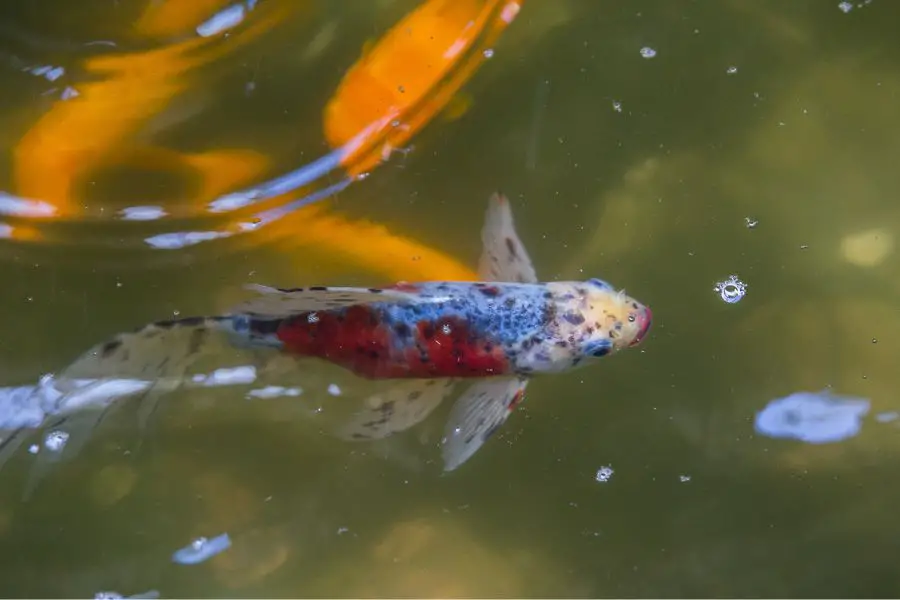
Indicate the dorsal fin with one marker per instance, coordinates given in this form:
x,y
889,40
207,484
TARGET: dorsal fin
x,y
504,257
277,302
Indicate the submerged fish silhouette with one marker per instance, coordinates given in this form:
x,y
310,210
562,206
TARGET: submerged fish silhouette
x,y
426,337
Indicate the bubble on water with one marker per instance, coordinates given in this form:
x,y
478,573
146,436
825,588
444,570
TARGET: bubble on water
x,y
56,440
845,7
750,222
34,449
731,290
445,329
201,549
489,53
731,70
604,474
684,478
648,52
333,389
617,106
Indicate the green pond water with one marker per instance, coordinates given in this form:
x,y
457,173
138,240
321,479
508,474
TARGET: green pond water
x,y
641,170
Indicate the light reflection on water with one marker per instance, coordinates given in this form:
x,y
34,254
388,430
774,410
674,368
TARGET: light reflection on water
x,y
640,171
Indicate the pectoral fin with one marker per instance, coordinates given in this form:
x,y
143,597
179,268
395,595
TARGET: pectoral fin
x,y
478,413
396,409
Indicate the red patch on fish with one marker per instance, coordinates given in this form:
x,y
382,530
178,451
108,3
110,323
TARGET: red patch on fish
x,y
357,340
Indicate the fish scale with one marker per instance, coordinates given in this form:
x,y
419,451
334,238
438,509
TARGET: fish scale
x,y
456,329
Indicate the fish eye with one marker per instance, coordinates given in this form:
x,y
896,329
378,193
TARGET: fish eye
x,y
599,283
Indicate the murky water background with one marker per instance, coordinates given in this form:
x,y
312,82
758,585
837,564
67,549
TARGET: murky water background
x,y
642,171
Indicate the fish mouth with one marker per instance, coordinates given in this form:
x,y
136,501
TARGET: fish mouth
x,y
645,319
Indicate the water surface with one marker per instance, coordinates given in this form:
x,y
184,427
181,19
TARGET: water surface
x,y
641,171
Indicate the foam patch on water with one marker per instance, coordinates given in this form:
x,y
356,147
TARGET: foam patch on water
x,y
813,417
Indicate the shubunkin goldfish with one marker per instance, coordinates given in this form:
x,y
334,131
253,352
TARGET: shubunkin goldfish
x,y
494,334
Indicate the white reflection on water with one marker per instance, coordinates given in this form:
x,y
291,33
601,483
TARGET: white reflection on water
x,y
813,417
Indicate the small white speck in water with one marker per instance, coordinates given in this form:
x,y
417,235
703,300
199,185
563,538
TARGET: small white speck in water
x,y
333,389
489,53
731,70
34,448
684,478
648,52
845,7
617,106
604,474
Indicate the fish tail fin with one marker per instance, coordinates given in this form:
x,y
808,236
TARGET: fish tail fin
x,y
148,363
162,350
61,440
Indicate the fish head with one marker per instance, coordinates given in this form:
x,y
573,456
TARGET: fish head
x,y
592,319
613,320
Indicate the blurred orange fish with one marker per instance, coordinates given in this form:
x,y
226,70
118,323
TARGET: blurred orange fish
x,y
411,74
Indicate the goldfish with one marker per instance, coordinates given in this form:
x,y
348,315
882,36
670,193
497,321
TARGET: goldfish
x,y
494,335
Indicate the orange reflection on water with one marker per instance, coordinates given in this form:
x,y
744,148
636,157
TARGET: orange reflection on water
x,y
408,77
92,130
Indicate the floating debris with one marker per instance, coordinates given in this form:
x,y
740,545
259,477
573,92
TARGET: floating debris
x,y
731,290
56,440
201,549
813,417
604,474
684,478
750,222
731,70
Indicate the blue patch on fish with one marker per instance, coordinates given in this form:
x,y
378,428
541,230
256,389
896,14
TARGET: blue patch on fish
x,y
813,417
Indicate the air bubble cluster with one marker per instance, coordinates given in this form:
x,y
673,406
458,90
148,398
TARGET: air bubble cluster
x,y
731,290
